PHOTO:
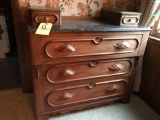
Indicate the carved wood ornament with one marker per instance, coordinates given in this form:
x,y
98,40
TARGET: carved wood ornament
x,y
112,87
117,67
66,47
122,45
65,95
66,72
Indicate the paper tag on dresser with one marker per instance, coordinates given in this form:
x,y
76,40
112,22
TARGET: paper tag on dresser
x,y
44,29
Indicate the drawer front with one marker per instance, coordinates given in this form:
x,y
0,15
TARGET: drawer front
x,y
43,17
84,70
130,20
86,92
55,49
91,46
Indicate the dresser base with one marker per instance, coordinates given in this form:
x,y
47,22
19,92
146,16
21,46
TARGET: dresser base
x,y
46,115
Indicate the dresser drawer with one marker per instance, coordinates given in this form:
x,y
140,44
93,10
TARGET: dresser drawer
x,y
130,20
86,92
91,46
47,15
73,72
120,18
48,49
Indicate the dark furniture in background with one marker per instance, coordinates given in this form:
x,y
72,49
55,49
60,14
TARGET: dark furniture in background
x,y
10,74
22,47
11,33
9,66
6,7
6,4
150,85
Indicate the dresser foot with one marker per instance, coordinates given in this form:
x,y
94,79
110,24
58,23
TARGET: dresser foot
x,y
125,100
42,117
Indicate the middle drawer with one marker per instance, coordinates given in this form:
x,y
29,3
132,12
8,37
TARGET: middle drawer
x,y
53,74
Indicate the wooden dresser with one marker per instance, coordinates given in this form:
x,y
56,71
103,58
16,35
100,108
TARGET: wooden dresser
x,y
84,63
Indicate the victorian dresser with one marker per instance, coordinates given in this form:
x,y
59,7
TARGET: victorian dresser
x,y
84,63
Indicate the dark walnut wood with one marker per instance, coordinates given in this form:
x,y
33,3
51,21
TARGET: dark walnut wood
x,y
69,46
73,72
120,17
22,47
82,69
83,65
39,15
82,93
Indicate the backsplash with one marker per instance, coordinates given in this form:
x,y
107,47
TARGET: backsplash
x,y
80,7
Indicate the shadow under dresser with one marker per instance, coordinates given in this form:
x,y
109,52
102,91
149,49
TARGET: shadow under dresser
x,y
84,63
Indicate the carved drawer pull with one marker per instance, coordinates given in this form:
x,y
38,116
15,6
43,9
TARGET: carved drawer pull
x,y
91,85
113,87
66,72
130,20
116,67
122,45
93,63
65,95
97,40
66,47
46,19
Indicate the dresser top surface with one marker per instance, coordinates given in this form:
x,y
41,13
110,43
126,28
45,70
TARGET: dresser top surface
x,y
90,26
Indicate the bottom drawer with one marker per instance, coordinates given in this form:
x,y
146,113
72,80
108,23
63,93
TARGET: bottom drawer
x,y
63,97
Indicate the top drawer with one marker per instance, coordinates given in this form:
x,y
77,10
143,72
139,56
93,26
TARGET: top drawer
x,y
49,48
41,14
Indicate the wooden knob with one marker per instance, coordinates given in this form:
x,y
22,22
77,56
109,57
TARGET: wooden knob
x,y
129,20
91,85
112,87
122,45
46,19
97,40
93,63
66,72
66,47
67,95
116,67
